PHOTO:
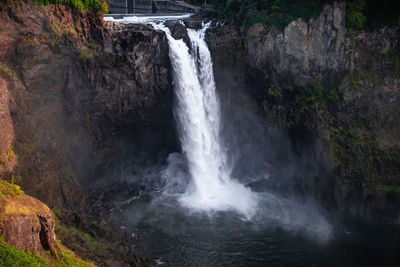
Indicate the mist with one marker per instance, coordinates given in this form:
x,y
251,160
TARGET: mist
x,y
244,167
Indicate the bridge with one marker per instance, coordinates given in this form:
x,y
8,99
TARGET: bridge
x,y
151,6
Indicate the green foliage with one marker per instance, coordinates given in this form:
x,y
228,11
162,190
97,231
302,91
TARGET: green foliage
x,y
271,12
297,103
12,256
276,6
277,22
80,4
275,92
359,12
389,188
9,155
333,95
394,58
89,51
104,7
308,98
355,17
68,258
354,83
10,188
81,242
354,152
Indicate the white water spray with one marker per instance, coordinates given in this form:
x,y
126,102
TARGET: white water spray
x,y
198,116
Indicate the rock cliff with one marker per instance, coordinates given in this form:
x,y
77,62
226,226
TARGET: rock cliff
x,y
77,96
334,92
304,51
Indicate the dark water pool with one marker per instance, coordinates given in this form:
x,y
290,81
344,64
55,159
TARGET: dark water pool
x,y
178,238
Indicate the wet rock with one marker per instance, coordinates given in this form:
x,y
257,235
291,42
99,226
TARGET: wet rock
x,y
194,23
178,31
357,65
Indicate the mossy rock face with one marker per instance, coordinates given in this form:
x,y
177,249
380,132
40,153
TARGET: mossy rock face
x,y
26,222
27,232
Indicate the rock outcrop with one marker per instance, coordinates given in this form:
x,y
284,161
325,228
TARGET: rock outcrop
x,y
25,222
304,51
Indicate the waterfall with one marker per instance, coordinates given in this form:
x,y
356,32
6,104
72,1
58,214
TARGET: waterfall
x,y
197,112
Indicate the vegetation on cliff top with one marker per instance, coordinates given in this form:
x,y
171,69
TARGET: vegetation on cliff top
x,y
10,188
280,13
79,4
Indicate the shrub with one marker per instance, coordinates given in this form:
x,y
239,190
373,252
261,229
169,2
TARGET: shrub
x,y
104,7
389,188
354,17
333,95
89,51
10,188
80,4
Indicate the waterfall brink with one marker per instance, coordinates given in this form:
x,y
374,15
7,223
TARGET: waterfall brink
x,y
197,112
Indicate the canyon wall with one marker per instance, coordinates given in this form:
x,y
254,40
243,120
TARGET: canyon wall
x,y
77,88
78,98
334,92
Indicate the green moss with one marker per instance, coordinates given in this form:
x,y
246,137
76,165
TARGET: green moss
x,y
80,4
394,58
277,13
276,23
6,70
306,99
354,152
10,188
104,7
82,243
333,95
89,51
354,83
60,28
12,256
389,188
274,91
354,16
68,258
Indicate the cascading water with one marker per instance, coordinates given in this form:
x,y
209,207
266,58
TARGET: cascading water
x,y
198,115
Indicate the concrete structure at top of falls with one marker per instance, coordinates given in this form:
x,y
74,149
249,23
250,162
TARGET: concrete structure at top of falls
x,y
150,6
